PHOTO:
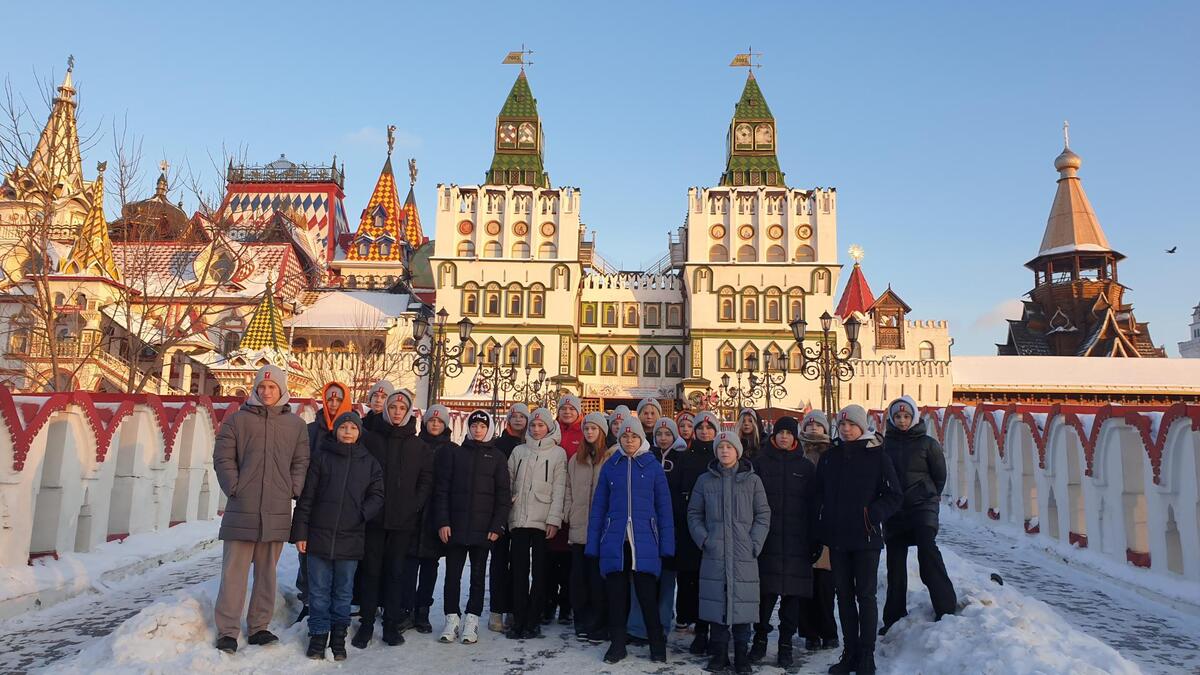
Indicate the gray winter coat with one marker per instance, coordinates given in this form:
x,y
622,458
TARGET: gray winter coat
x,y
729,518
261,458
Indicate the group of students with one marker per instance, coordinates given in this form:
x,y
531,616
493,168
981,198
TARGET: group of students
x,y
624,522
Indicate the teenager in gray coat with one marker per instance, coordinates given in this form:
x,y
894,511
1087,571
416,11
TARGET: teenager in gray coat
x,y
260,458
729,519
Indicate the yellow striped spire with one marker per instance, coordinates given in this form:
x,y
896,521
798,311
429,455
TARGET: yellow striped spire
x,y
265,330
92,252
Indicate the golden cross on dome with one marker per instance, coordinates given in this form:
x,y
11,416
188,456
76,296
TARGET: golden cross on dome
x,y
746,59
518,58
857,253
164,165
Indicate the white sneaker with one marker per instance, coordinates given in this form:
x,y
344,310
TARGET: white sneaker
x,y
470,631
496,623
451,632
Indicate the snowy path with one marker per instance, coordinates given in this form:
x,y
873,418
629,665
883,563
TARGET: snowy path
x,y
1158,638
39,638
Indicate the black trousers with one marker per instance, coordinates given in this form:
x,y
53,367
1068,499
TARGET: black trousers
x,y
855,575
420,577
528,559
645,586
500,581
456,557
558,581
816,613
933,574
789,616
687,596
382,578
588,599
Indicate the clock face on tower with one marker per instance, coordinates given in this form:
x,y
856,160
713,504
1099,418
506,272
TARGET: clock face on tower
x,y
742,136
525,134
508,134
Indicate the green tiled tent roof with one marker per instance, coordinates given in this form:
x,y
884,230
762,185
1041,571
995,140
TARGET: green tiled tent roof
x,y
265,330
752,105
520,101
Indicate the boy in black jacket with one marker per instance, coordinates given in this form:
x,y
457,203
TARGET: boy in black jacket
x,y
858,490
470,508
343,490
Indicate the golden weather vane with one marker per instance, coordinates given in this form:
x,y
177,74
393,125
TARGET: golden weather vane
x,y
518,58
746,59
391,131
412,171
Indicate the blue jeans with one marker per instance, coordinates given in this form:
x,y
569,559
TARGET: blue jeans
x,y
330,588
666,607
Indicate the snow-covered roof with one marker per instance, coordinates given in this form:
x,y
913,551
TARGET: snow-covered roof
x,y
362,310
1076,373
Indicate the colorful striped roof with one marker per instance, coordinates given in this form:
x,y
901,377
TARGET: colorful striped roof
x,y
382,219
412,220
92,252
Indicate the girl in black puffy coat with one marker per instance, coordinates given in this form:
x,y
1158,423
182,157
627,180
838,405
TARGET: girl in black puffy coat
x,y
470,510
421,567
784,565
343,490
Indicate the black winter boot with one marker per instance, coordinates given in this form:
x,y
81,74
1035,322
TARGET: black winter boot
x,y
847,664
362,636
615,654
405,622
866,664
337,642
658,650
421,620
700,642
316,646
812,644
719,662
391,634
758,649
785,653
741,658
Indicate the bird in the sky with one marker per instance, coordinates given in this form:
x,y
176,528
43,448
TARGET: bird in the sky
x,y
1172,249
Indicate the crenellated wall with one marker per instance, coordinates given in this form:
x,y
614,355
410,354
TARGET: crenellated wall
x,y
78,469
1119,480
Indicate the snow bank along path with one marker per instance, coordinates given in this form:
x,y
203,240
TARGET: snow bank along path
x,y
999,630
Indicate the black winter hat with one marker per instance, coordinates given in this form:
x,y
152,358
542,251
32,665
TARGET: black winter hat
x,y
351,417
786,423
481,417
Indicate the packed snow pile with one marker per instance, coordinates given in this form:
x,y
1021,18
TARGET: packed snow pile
x,y
998,630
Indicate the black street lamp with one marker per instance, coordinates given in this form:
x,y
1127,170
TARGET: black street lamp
x,y
767,384
436,358
495,378
534,389
824,361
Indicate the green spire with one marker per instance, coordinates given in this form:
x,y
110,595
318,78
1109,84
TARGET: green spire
x,y
265,330
750,157
519,141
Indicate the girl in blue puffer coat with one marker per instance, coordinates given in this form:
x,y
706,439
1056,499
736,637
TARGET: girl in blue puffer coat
x,y
631,529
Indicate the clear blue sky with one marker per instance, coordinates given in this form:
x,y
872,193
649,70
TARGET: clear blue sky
x,y
937,122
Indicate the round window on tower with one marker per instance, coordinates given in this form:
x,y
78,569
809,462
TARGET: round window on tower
x,y
466,227
775,232
804,231
746,232
717,232
547,229
521,229
493,228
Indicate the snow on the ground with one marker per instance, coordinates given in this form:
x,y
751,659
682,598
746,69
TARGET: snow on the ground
x,y
48,581
1145,615
999,630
